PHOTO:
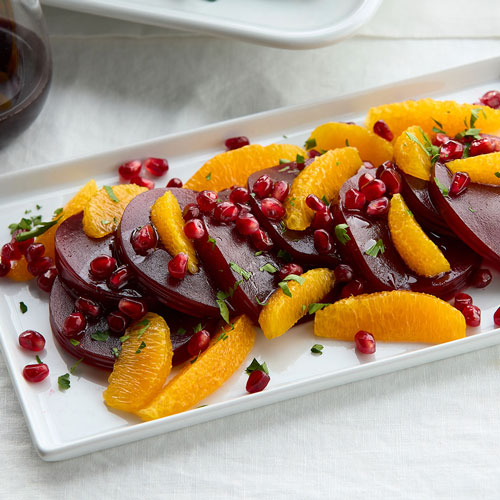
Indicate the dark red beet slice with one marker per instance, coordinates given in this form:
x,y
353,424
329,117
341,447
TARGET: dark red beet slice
x,y
196,293
299,244
387,271
473,215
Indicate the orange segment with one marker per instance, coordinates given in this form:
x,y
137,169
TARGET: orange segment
x,y
397,316
323,177
206,374
482,169
283,311
450,114
371,147
138,376
409,156
418,251
167,218
19,271
232,168
104,211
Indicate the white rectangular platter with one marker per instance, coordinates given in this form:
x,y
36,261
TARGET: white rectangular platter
x,y
75,422
291,24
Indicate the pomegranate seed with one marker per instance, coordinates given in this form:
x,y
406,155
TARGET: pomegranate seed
x,y
459,183
354,287
451,150
280,190
130,169
272,209
198,343
88,307
207,200
174,182
364,179
144,239
323,220
40,266
343,273
365,342
239,195
382,129
226,212
194,229
36,372
482,278
368,164
143,182
491,99
178,265
494,139
21,245
314,203
312,153
261,240
462,300
236,142
263,186
374,189
472,315
133,308
191,211
34,252
322,241
119,278
32,341
481,147
156,166
378,207
117,322
386,165
496,317
440,139
392,180
354,200
74,324
10,252
102,267
4,268
257,381
247,224
288,269
45,281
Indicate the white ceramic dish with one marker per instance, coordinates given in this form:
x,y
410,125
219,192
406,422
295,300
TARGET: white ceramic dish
x,y
291,24
75,422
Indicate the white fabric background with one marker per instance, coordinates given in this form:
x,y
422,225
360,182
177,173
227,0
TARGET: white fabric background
x,y
428,432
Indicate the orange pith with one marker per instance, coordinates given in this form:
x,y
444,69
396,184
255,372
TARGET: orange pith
x,y
397,316
482,169
409,155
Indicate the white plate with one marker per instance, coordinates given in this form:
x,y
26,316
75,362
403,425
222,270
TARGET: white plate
x,y
75,422
291,24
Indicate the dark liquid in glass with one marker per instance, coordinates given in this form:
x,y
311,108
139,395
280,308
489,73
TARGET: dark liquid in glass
x,y
25,73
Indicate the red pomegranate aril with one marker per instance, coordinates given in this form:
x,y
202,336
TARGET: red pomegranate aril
x,y
102,267
257,381
117,321
191,211
280,190
10,252
364,180
207,200
491,99
354,287
272,209
130,169
323,220
386,165
40,266
314,203
88,307
368,164
32,341
313,153
261,240
177,267
198,343
374,189
144,239
21,245
34,252
392,180
4,268
343,273
451,150
263,186
440,139
322,241
174,182
459,183
472,315
45,281
194,229
378,207
239,195
247,224
133,308
244,209
382,130
119,278
74,324
236,142
481,147
365,342
36,372
226,212
496,317
288,269
156,166
462,300
143,182
482,278
354,200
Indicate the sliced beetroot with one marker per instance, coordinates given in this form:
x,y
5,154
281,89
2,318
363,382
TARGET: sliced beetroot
x,y
473,215
387,271
196,293
299,244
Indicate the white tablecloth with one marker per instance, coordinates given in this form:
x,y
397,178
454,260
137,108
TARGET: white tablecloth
x,y
428,432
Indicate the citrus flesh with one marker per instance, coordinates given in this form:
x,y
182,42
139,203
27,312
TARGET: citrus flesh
x,y
19,270
482,169
409,155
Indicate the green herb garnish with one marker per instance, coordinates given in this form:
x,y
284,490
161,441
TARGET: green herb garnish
x,y
268,268
237,269
75,366
100,336
111,194
313,308
341,233
141,347
209,176
63,382
374,250
317,349
74,342
23,307
145,325
442,187
256,366
310,143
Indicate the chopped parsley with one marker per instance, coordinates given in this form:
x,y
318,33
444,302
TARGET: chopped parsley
x,y
292,201
197,328
38,207
286,290
105,222
444,190
181,331
75,366
57,212
261,303
209,176
437,130
268,268
315,307
141,347
283,161
310,143
497,174
325,200
317,349
31,232
256,366
213,241
38,360
145,325
123,338
347,142
74,342
284,284
300,159
23,307
221,302
237,269
472,210
429,149
115,352
100,336
111,194
374,250
259,252
63,382
341,233
293,277
283,254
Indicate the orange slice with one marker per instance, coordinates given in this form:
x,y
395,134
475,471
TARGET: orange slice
x,y
104,211
426,112
232,168
205,374
283,311
418,251
323,177
397,316
409,155
142,366
167,218
333,135
19,270
483,169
